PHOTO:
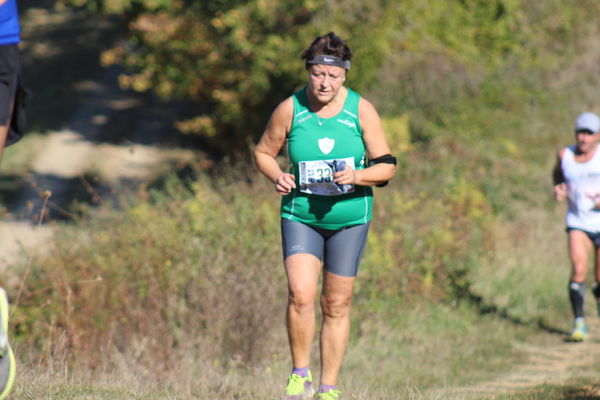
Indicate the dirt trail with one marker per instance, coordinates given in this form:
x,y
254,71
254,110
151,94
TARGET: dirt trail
x,y
116,136
558,363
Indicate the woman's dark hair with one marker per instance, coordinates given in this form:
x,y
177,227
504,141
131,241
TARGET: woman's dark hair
x,y
327,45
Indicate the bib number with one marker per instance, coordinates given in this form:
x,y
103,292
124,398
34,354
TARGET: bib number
x,y
316,177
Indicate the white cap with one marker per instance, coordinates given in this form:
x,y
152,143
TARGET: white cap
x,y
587,121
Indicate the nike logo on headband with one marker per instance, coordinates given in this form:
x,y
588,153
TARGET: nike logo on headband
x,y
329,60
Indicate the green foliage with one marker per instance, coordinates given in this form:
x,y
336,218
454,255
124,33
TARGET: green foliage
x,y
448,57
238,60
417,243
156,276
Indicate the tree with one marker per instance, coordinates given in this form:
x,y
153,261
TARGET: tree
x,y
236,59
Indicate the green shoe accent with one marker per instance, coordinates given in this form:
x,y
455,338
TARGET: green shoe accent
x,y
7,373
299,388
330,395
7,358
579,332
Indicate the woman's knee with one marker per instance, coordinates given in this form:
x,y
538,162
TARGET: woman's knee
x,y
302,298
335,306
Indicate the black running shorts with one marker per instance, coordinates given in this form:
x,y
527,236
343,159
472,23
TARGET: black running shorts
x,y
341,250
594,236
10,67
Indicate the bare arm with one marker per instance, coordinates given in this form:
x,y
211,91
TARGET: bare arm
x,y
558,178
377,146
2,2
270,145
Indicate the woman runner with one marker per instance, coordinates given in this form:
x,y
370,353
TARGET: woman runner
x,y
337,151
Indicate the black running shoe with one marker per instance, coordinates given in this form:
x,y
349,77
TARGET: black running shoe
x,y
596,292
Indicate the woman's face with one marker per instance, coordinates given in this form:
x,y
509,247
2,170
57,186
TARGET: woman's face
x,y
325,81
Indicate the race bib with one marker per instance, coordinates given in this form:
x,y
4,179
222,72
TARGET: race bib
x,y
316,177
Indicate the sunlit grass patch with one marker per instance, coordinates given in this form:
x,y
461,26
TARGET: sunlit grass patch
x,y
574,391
19,156
527,277
55,383
432,345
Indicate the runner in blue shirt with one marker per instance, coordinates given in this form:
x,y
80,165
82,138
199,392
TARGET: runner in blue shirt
x,y
10,68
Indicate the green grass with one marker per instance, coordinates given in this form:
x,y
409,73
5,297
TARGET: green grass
x,y
147,281
428,347
20,156
36,384
529,269
575,391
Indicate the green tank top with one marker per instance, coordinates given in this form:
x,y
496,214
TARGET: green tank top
x,y
316,148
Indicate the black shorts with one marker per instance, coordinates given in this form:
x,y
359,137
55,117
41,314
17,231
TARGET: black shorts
x,y
10,69
594,236
341,250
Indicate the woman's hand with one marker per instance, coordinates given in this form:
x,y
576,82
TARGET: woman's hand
x,y
345,177
284,183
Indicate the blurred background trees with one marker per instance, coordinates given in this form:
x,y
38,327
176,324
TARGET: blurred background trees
x,y
236,60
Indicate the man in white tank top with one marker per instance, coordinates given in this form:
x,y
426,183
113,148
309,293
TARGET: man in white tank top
x,y
576,177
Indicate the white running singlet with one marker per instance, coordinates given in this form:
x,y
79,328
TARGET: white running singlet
x,y
583,188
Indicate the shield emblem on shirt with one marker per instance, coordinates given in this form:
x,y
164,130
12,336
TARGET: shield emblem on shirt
x,y
326,145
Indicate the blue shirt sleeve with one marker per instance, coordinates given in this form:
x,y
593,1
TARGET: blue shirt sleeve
x,y
10,29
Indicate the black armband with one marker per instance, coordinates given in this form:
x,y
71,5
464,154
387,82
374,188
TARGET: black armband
x,y
385,159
